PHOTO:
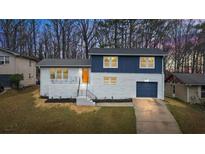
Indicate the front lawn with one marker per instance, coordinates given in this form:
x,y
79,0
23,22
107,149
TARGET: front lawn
x,y
24,112
191,118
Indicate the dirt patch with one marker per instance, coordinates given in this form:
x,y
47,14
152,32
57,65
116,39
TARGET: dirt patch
x,y
41,103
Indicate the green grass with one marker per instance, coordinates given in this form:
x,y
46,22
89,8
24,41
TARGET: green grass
x,y
24,112
191,118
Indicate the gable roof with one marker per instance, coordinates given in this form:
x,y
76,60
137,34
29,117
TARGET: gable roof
x,y
64,62
17,54
127,51
190,79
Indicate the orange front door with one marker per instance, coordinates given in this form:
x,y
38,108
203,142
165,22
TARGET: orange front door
x,y
85,75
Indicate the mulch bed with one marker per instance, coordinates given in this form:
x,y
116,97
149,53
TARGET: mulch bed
x,y
63,100
73,100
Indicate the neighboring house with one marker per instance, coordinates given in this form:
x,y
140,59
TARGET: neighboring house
x,y
186,87
14,63
109,74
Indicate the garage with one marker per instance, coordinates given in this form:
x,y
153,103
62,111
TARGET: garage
x,y
5,80
146,89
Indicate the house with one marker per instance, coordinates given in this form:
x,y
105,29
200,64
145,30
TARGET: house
x,y
13,63
186,87
110,73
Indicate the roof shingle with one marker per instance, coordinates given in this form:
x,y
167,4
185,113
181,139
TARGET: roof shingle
x,y
191,79
18,55
64,62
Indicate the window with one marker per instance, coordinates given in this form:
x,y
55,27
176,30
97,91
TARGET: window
x,y
29,75
173,89
1,60
52,73
106,62
106,80
59,73
110,62
202,91
147,62
30,63
113,80
65,73
110,80
4,60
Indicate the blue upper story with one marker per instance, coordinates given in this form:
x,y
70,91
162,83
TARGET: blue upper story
x,y
126,64
128,60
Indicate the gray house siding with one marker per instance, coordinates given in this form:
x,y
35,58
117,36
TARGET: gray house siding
x,y
190,94
20,65
180,91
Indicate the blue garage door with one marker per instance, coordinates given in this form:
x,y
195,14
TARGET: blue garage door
x,y
5,80
146,89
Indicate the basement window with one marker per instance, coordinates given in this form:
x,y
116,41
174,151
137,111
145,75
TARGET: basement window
x,y
110,80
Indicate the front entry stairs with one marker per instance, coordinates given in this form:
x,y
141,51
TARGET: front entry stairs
x,y
84,97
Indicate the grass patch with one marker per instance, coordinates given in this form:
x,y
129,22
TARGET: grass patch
x,y
190,117
25,112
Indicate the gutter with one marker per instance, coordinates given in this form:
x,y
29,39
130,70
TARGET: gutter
x,y
113,54
63,66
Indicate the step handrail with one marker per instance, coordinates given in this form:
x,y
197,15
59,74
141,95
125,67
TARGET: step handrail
x,y
90,94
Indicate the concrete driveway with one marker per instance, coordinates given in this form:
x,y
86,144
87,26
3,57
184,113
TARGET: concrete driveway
x,y
153,117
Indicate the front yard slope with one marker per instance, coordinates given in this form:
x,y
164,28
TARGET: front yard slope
x,y
25,112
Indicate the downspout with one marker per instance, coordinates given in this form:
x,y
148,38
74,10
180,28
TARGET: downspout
x,y
163,70
199,91
15,65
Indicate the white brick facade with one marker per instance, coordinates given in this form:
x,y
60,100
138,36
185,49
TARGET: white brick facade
x,y
124,88
60,88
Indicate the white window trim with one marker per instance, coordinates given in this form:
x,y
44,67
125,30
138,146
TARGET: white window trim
x,y
153,67
110,62
4,60
56,74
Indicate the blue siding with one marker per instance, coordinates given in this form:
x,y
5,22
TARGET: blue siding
x,y
5,80
126,64
146,89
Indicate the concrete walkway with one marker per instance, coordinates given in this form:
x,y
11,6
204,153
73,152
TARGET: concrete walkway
x,y
115,104
153,117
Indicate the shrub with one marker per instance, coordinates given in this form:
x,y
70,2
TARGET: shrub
x,y
15,80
